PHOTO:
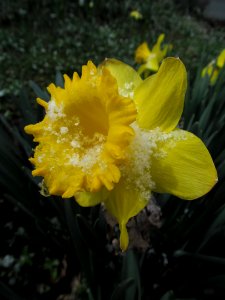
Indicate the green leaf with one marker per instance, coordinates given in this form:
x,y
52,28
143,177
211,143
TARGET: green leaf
x,y
38,91
25,105
195,128
87,233
168,296
130,269
13,134
82,252
189,122
59,80
216,224
200,257
206,114
120,290
7,294
221,170
216,281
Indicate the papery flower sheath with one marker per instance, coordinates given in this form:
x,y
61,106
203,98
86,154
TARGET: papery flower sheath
x,y
150,59
111,137
213,69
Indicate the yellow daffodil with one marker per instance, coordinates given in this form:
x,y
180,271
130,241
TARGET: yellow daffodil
x,y
135,14
212,70
111,137
220,62
150,59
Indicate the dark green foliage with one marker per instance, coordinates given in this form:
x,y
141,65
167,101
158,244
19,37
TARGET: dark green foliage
x,y
122,288
52,247
192,235
38,38
54,236
186,256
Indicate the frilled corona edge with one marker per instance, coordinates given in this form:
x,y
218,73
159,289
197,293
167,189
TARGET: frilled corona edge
x,y
108,136
84,134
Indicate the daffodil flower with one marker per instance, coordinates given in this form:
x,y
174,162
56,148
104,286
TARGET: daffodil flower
x,y
151,59
135,14
212,70
110,137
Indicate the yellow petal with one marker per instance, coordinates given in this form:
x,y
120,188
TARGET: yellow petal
x,y
214,76
42,103
160,98
136,15
124,237
152,64
124,203
208,69
205,71
57,93
211,71
35,129
87,199
84,133
127,78
62,183
221,59
157,47
161,51
142,53
182,166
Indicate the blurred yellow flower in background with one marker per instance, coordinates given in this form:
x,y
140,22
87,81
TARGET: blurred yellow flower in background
x,y
150,59
212,70
135,14
110,137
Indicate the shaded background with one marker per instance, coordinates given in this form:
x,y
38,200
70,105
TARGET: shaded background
x,y
40,37
52,248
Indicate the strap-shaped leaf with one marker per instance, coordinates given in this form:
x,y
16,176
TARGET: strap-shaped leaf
x,y
120,290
